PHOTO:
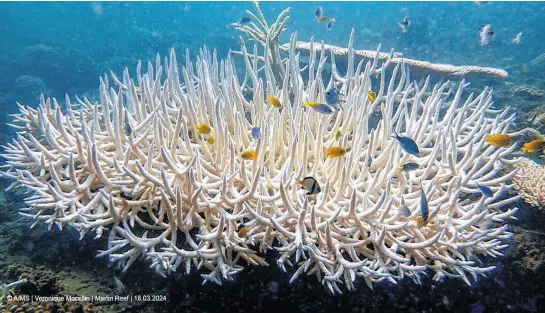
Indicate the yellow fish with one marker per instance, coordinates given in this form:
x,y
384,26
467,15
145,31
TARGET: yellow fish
x,y
243,232
420,222
499,140
534,146
321,19
338,135
309,103
274,102
203,128
248,155
334,152
211,140
371,95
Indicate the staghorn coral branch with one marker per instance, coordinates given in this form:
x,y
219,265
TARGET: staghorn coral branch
x,y
443,69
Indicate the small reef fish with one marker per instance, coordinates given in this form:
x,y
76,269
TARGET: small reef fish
x,y
487,192
203,128
335,151
332,97
533,146
331,22
422,220
248,155
405,24
211,140
523,68
319,12
321,108
310,185
127,129
256,133
274,101
309,103
407,167
244,20
499,140
371,95
486,34
405,211
243,232
321,19
119,286
338,135
407,144
517,38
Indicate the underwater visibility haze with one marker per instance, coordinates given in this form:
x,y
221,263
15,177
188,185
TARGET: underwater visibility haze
x,y
248,157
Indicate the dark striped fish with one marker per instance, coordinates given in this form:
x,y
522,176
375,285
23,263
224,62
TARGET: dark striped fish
x,y
310,185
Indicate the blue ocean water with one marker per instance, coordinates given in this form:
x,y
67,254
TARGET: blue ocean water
x,y
68,44
63,47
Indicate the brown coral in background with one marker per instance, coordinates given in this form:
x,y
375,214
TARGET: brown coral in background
x,y
526,91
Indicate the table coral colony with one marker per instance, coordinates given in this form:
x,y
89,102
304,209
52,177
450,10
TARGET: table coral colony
x,y
161,164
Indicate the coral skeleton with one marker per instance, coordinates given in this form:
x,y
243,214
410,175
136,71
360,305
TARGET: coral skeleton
x,y
432,68
134,167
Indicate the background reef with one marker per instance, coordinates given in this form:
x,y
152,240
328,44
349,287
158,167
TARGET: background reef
x,y
58,48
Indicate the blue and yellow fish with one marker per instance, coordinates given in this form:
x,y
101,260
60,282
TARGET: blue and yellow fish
x,y
332,98
407,167
256,133
422,220
321,108
407,144
487,192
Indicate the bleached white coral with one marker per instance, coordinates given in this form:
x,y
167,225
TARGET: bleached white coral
x,y
129,167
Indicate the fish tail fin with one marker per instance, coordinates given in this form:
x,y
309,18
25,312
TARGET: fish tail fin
x,y
399,169
524,149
